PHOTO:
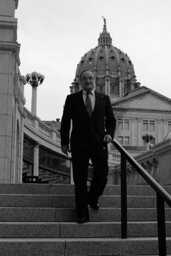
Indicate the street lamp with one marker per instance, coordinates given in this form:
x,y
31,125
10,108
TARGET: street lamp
x,y
34,79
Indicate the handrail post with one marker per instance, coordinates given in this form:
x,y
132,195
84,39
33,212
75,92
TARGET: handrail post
x,y
161,225
123,197
162,197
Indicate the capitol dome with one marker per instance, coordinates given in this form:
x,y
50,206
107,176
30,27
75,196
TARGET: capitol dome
x,y
112,67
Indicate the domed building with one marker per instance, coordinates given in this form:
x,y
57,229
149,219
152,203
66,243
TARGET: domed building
x,y
112,67
138,109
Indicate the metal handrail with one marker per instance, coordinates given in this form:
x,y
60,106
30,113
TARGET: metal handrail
x,y
161,194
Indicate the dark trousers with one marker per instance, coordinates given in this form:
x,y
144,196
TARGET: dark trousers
x,y
80,174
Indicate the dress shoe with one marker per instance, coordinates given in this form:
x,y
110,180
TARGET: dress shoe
x,y
94,205
83,219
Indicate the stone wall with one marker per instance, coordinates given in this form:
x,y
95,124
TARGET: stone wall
x,y
11,95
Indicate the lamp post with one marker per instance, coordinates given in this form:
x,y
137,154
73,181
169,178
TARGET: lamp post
x,y
34,79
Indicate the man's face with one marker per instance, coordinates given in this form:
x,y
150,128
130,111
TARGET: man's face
x,y
87,81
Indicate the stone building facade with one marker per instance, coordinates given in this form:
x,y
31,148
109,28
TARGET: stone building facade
x,y
11,96
142,111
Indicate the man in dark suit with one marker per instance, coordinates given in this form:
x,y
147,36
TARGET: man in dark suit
x,y
93,126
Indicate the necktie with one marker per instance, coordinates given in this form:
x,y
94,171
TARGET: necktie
x,y
88,104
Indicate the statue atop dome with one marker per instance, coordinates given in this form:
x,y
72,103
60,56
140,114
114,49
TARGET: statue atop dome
x,y
104,26
105,38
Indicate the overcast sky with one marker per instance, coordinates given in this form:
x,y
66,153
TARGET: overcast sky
x,y
55,34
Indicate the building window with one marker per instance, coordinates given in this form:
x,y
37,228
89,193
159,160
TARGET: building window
x,y
149,125
124,140
114,86
127,86
100,88
120,124
112,57
120,139
152,125
123,124
126,124
114,89
145,125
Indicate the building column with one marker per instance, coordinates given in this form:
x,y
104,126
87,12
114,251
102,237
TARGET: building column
x,y
34,101
139,132
107,86
121,87
159,132
165,127
36,160
21,151
162,128
133,125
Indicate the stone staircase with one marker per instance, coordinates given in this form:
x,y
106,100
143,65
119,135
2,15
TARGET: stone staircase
x,y
39,219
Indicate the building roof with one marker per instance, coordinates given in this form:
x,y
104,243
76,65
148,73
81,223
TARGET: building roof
x,y
143,98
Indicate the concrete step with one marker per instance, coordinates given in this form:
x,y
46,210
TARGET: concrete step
x,y
65,189
80,246
39,219
32,214
63,201
74,230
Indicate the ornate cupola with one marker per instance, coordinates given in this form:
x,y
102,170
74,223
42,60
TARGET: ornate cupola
x,y
113,68
104,38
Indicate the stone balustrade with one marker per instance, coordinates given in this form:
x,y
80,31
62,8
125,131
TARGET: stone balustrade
x,y
157,161
45,136
40,129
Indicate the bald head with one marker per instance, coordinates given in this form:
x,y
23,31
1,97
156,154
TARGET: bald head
x,y
87,80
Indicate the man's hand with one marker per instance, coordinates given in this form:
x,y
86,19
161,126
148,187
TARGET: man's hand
x,y
64,149
107,138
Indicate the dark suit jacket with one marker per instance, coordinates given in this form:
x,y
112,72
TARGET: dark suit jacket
x,y
87,130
